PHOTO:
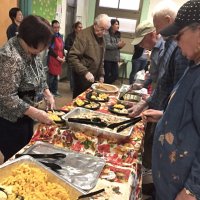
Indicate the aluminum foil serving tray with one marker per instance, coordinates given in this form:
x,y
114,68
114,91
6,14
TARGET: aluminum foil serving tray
x,y
81,170
6,170
136,97
94,130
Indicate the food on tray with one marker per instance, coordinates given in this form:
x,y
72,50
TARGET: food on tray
x,y
106,88
119,106
108,119
30,183
80,102
102,86
130,97
95,96
67,108
56,112
119,109
92,105
87,104
54,116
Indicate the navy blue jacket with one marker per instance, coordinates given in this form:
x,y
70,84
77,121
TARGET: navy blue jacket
x,y
176,147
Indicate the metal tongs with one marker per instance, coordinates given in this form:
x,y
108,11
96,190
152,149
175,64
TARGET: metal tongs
x,y
114,125
53,156
135,120
94,121
90,194
51,165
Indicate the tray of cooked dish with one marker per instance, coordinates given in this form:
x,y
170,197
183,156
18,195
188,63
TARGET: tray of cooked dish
x,y
97,96
100,119
84,103
81,170
56,115
26,178
119,109
128,96
104,88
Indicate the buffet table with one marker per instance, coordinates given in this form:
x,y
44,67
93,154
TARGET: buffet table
x,y
121,176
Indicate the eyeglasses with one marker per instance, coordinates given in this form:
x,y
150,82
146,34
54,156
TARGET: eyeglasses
x,y
100,29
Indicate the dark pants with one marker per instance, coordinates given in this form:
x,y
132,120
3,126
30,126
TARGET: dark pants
x,y
53,83
14,136
137,65
148,143
70,77
80,84
111,71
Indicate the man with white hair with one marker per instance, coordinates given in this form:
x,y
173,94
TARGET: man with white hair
x,y
171,68
87,53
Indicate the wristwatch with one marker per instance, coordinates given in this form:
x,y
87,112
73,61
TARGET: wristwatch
x,y
188,192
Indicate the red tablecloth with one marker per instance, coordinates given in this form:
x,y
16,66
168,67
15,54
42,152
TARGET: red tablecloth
x,y
121,175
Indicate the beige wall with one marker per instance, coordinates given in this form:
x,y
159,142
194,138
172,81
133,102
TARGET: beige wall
x,y
154,2
5,21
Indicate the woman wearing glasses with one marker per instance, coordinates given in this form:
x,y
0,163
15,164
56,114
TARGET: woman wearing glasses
x,y
22,80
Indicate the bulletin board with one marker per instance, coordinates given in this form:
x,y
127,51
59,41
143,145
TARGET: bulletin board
x,y
45,8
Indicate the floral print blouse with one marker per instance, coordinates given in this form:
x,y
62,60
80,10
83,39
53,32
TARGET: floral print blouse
x,y
22,78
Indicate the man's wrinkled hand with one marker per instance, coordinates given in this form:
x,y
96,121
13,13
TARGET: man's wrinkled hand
x,y
101,79
137,108
151,115
182,195
89,76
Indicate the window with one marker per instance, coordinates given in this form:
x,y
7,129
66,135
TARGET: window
x,y
120,4
128,13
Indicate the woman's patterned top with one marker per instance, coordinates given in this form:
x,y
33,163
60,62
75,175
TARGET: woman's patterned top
x,y
20,73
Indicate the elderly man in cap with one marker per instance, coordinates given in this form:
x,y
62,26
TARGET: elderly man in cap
x,y
172,66
176,145
146,37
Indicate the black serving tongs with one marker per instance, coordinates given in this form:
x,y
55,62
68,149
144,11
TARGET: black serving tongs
x,y
94,121
53,156
114,125
90,194
135,120
53,166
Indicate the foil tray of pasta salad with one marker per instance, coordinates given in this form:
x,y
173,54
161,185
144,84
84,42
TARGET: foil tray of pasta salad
x,y
94,130
81,170
26,178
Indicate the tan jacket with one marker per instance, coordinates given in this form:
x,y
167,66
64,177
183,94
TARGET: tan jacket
x,y
86,54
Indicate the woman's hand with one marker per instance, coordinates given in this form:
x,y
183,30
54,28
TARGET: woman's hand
x,y
151,115
39,115
61,60
42,117
49,100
